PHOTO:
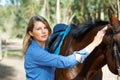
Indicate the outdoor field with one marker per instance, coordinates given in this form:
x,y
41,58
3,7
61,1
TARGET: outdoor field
x,y
74,24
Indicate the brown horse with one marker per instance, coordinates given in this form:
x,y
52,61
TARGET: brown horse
x,y
106,53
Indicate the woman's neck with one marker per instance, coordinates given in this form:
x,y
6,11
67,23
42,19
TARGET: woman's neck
x,y
41,43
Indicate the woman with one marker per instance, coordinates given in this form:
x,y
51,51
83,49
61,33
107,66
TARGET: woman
x,y
40,64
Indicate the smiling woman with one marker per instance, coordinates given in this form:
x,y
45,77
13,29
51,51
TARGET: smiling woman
x,y
39,33
41,64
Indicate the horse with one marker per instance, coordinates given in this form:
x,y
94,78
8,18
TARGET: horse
x,y
107,53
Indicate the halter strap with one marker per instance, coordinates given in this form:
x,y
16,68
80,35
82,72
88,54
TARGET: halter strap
x,y
116,56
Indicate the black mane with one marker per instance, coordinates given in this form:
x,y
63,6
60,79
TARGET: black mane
x,y
80,31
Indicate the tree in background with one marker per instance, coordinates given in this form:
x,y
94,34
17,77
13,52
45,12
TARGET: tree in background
x,y
54,13
6,19
91,10
15,16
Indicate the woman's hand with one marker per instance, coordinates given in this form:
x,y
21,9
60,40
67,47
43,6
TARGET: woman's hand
x,y
99,37
97,40
88,49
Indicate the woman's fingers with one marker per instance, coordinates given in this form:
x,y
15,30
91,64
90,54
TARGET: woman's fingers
x,y
99,37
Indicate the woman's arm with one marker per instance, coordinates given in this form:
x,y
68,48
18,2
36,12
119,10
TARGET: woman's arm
x,y
97,40
37,56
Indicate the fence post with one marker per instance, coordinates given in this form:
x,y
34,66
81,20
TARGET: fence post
x,y
0,48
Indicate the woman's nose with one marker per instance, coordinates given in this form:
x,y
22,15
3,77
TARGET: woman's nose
x,y
43,30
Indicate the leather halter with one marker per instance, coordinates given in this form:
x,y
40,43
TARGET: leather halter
x,y
116,54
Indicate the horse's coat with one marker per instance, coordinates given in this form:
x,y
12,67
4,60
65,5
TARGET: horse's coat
x,y
103,54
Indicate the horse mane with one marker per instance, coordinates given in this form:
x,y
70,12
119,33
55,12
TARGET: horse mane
x,y
78,32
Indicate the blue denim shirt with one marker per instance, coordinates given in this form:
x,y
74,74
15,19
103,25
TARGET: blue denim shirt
x,y
40,64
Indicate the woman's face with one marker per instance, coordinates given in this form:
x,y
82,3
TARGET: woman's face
x,y
40,32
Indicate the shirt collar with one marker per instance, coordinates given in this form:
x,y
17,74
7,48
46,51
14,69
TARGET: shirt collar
x,y
34,43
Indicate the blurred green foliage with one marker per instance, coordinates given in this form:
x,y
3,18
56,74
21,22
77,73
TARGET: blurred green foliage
x,y
14,17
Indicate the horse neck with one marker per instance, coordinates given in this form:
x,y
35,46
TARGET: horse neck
x,y
95,60
93,63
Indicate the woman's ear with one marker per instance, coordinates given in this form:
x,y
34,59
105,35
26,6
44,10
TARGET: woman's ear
x,y
30,33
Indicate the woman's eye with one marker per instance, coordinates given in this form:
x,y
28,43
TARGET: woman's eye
x,y
45,27
38,28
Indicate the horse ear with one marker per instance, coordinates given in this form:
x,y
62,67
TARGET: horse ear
x,y
114,22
